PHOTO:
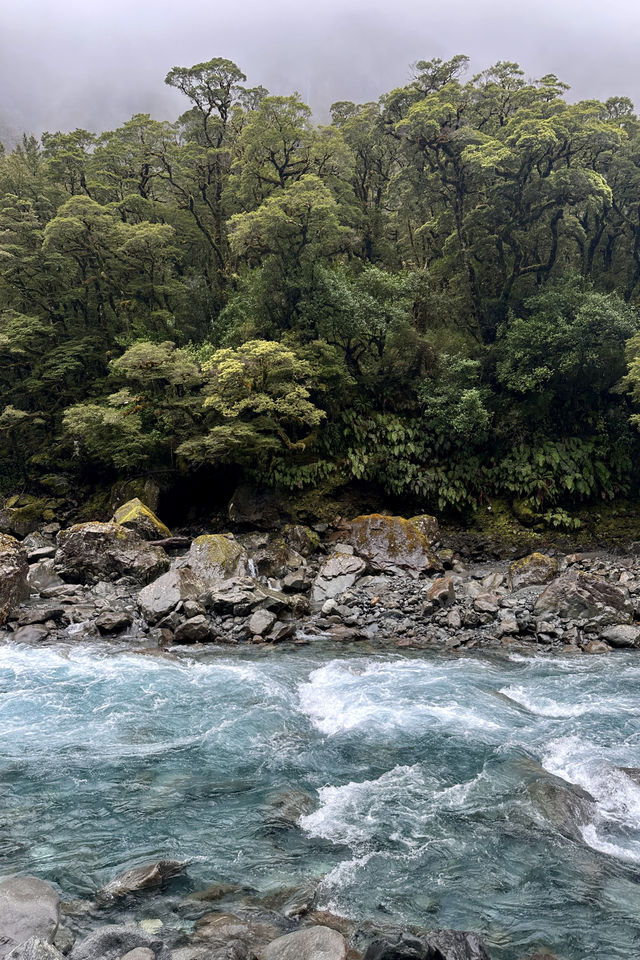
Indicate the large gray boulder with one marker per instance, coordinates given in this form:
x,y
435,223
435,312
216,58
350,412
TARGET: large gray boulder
x,y
29,907
114,942
217,556
312,943
392,545
35,949
583,596
89,552
14,569
159,598
336,575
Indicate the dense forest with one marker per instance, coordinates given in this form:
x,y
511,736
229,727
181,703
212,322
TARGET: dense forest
x,y
436,293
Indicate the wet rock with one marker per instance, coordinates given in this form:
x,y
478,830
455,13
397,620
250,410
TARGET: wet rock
x,y
576,595
239,939
534,569
597,646
312,943
33,633
392,545
196,630
217,556
34,949
147,876
42,575
88,552
113,621
14,569
565,806
438,945
159,598
622,635
256,507
632,772
115,942
261,622
28,908
336,575
136,516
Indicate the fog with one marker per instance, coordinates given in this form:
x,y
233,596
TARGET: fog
x,y
67,64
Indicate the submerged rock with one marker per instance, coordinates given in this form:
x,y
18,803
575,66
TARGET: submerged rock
x,y
148,876
227,935
217,556
392,545
534,569
137,516
312,943
14,569
583,596
88,552
29,908
565,806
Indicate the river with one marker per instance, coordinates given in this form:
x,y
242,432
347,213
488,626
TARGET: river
x,y
422,773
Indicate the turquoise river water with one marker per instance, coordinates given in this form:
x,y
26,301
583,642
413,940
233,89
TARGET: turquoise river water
x,y
423,773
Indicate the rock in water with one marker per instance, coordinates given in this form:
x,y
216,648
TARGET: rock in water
x,y
534,569
392,545
567,807
217,557
28,908
114,942
14,569
35,949
88,552
136,516
337,574
583,596
160,597
438,945
312,943
148,876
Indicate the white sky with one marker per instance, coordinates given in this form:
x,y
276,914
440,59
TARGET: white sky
x,y
92,63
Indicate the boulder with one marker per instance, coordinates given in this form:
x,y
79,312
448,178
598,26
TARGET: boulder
x,y
136,516
392,545
311,943
336,575
28,908
582,596
42,576
24,514
229,937
31,633
89,552
270,556
35,949
195,630
261,622
14,569
428,527
442,591
534,569
622,635
301,539
113,621
115,942
256,507
217,556
159,598
147,876
146,490
437,945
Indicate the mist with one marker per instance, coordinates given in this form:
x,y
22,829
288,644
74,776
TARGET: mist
x,y
93,64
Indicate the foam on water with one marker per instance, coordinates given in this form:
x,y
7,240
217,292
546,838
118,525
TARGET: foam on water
x,y
419,768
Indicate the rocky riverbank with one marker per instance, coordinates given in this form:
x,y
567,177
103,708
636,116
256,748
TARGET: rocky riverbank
x,y
378,580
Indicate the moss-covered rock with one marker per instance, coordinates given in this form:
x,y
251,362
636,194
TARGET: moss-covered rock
x,y
14,568
392,545
22,515
93,551
428,527
217,556
142,488
300,538
534,569
138,517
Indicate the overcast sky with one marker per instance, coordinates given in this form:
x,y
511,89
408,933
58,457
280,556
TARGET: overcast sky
x,y
92,63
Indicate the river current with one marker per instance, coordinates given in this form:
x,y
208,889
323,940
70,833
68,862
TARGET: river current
x,y
423,773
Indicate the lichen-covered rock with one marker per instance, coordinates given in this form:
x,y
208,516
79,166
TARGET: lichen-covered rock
x,y
14,570
217,556
301,539
312,943
582,596
392,545
29,907
159,598
138,517
428,527
88,552
21,515
145,489
337,574
535,569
